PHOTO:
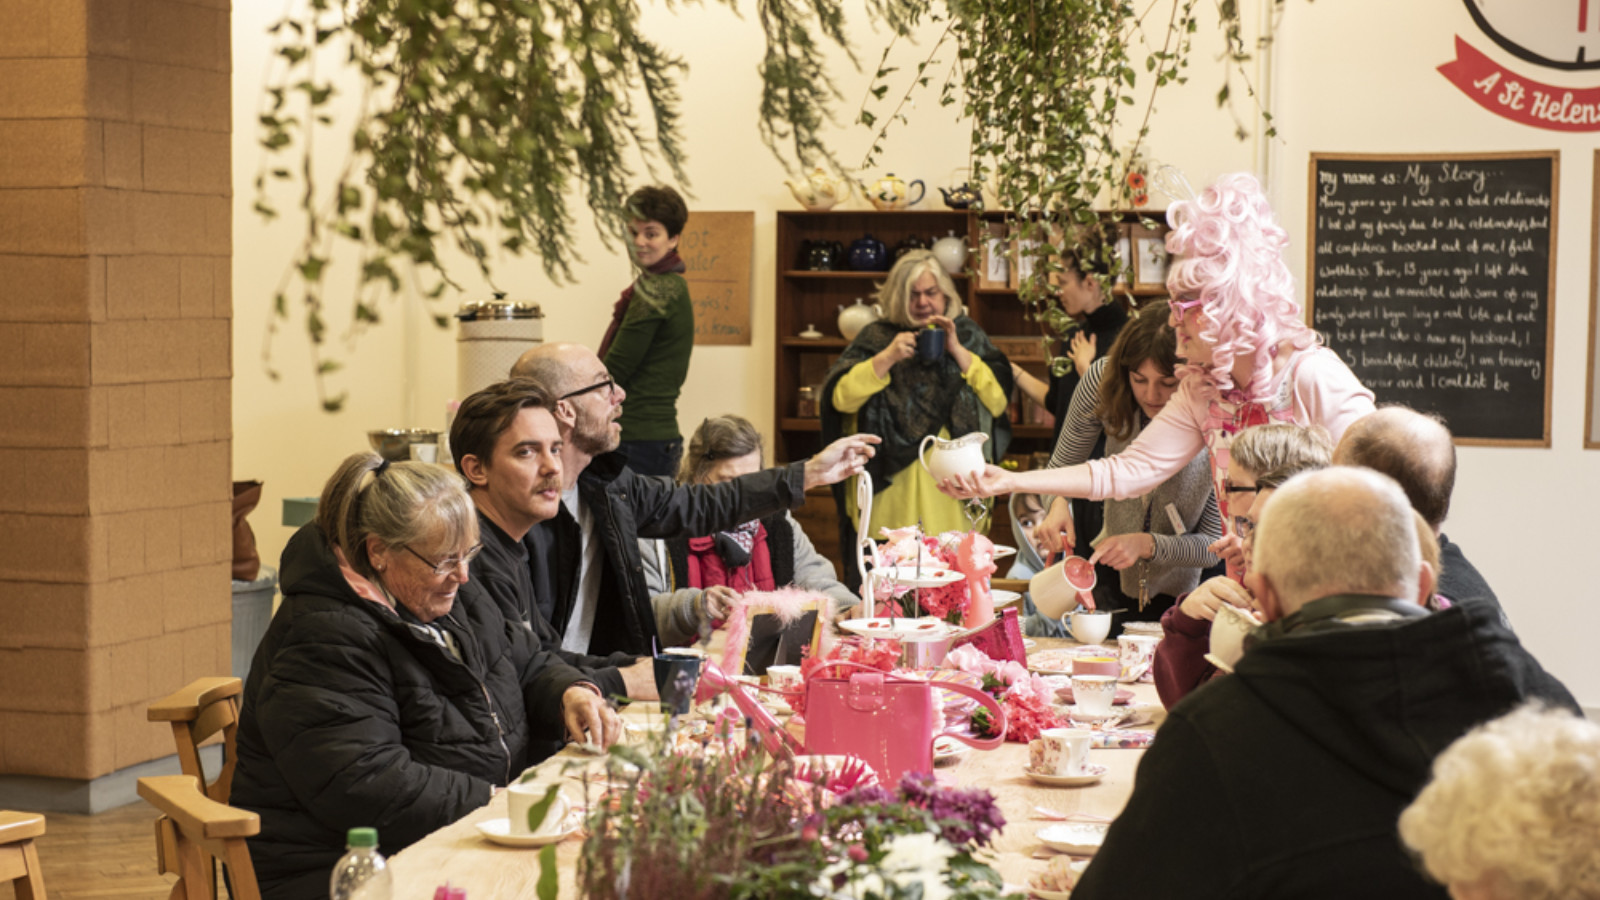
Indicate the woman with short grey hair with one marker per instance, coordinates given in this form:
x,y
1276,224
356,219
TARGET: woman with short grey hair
x,y
388,691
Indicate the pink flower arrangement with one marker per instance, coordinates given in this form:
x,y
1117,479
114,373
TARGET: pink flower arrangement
x,y
969,553
1023,695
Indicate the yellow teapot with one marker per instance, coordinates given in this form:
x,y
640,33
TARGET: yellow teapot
x,y
819,192
890,192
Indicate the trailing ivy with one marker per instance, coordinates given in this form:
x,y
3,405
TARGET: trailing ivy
x,y
481,121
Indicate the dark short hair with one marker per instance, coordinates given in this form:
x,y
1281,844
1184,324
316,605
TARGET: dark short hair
x,y
659,203
1087,255
486,415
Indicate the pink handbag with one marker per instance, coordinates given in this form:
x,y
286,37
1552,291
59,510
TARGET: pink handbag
x,y
1001,639
888,721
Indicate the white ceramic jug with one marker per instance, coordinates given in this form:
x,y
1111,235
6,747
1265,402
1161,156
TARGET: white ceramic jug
x,y
960,456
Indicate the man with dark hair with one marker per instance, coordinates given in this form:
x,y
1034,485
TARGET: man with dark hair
x,y
507,446
1287,777
600,602
1417,451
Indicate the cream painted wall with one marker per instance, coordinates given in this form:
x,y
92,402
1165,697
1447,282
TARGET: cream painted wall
x,y
1352,75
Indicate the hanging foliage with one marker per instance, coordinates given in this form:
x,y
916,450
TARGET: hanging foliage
x,y
480,121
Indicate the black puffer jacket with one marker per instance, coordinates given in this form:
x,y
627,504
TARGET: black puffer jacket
x,y
354,716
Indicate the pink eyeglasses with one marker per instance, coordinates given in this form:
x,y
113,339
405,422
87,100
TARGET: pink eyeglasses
x,y
1180,306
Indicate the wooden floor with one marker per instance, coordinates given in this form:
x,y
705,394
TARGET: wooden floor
x,y
109,855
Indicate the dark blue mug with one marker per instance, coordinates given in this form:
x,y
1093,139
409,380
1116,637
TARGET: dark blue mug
x,y
930,344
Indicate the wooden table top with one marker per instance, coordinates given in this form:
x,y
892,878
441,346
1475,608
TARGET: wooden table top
x,y
460,855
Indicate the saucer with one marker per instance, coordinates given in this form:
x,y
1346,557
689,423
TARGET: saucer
x,y
1078,714
909,576
1091,774
499,831
947,749
1004,598
1075,838
1001,551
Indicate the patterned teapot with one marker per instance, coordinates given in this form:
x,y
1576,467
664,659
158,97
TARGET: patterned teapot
x,y
818,192
890,192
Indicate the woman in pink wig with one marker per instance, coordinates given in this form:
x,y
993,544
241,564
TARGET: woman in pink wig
x,y
1248,356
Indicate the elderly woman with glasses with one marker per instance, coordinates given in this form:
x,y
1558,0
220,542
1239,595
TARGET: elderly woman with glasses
x,y
1249,359
388,691
1264,457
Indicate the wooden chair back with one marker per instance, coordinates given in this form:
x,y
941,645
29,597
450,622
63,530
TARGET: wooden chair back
x,y
19,859
194,829
200,709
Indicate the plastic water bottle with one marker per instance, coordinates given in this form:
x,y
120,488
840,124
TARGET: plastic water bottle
x,y
362,873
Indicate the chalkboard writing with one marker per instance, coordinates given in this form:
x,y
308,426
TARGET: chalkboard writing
x,y
715,247
1432,277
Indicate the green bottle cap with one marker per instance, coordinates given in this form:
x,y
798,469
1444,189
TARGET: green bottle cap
x,y
362,837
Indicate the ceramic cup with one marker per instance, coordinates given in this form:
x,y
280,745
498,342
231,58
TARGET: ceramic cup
x,y
1096,665
1053,595
930,344
1227,635
784,678
1060,751
1094,694
523,796
1087,626
1136,653
677,676
425,452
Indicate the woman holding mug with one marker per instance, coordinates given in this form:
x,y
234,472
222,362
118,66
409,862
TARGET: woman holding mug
x,y
1249,359
957,384
1152,547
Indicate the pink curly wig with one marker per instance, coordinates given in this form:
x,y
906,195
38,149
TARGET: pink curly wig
x,y
1227,249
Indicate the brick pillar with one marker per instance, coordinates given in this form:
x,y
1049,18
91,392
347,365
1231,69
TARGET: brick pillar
x,y
115,368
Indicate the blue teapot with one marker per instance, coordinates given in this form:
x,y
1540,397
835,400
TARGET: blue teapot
x,y
868,254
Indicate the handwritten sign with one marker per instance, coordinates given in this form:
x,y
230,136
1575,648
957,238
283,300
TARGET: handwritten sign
x,y
1432,277
716,246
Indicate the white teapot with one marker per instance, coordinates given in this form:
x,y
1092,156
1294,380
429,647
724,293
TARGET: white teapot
x,y
959,456
818,192
857,316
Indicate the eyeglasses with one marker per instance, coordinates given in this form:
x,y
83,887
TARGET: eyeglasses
x,y
1180,306
1243,527
1240,488
610,384
450,563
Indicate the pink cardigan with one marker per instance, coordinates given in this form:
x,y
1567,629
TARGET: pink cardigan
x,y
1317,389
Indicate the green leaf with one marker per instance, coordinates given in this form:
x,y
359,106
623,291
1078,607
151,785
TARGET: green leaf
x,y
549,880
329,365
311,268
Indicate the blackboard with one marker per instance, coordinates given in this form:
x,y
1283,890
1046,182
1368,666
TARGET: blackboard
x,y
1432,277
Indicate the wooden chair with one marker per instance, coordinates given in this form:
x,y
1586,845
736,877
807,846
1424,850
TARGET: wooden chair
x,y
19,859
194,829
197,711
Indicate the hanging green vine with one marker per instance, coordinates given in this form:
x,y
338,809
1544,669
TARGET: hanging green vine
x,y
480,122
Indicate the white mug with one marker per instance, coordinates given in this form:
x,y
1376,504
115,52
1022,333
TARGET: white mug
x,y
1094,694
1087,626
524,795
1060,751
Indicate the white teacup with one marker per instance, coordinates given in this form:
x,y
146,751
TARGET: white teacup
x,y
523,796
1060,751
1094,694
784,678
1087,626
1137,652
1227,635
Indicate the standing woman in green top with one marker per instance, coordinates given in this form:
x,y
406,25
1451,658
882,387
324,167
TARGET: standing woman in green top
x,y
647,346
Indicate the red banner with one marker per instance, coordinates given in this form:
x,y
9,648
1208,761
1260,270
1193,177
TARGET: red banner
x,y
1521,99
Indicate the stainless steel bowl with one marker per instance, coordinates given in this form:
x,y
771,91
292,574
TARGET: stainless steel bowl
x,y
924,651
394,444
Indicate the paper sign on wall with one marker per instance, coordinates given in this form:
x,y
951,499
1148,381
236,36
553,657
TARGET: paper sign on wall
x,y
716,246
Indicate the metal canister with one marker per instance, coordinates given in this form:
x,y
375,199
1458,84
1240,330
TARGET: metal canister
x,y
492,335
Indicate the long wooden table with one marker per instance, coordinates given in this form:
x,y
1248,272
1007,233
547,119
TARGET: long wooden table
x,y
463,857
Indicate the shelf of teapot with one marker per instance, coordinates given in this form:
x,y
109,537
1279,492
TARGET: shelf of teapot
x,y
846,275
824,343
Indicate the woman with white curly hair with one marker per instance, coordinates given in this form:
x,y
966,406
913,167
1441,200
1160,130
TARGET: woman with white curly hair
x,y
1513,811
1249,359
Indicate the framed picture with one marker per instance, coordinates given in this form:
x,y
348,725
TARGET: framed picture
x,y
1149,260
1124,256
995,271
